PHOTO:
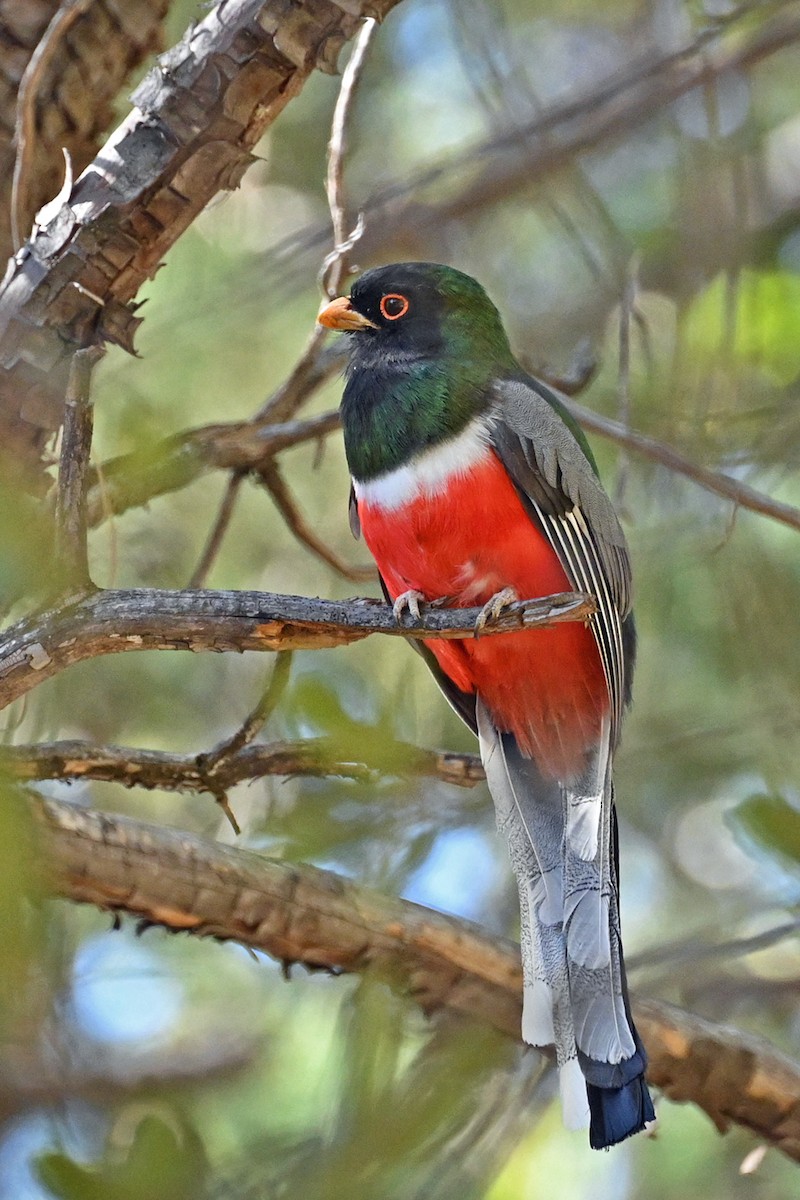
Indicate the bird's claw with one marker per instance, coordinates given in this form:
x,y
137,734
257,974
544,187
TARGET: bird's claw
x,y
407,600
494,607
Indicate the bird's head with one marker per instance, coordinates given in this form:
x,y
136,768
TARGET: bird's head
x,y
421,310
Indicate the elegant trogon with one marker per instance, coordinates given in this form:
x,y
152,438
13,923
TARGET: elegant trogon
x,y
472,484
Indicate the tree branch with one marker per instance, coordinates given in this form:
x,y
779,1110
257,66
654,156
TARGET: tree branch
x,y
500,166
741,494
71,760
303,914
76,445
199,114
110,622
135,479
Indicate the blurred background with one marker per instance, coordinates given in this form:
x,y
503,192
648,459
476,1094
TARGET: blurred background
x,y
614,216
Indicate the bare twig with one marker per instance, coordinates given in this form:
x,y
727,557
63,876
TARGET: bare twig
x,y
660,452
214,765
111,622
284,501
218,530
336,266
695,951
626,310
300,913
76,445
298,387
48,47
239,446
317,757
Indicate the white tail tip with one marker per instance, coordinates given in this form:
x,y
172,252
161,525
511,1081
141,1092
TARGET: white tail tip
x,y
574,1102
537,1014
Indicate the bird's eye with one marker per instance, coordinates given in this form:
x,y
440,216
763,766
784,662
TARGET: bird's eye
x,y
394,306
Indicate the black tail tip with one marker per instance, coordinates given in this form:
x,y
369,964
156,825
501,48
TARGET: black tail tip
x,y
618,1113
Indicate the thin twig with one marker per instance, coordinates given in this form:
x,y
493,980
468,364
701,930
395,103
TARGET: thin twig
x,y
336,266
284,501
697,952
660,452
212,766
626,310
76,446
49,46
218,531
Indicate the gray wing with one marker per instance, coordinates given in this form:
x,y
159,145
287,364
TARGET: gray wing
x,y
562,492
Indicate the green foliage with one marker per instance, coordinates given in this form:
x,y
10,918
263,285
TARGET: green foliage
x,y
772,824
158,1159
751,319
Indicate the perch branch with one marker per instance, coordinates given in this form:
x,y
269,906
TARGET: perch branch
x,y
110,622
303,914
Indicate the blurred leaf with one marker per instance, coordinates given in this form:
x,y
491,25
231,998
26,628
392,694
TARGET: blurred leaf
x,y
25,544
773,824
20,912
764,316
66,1179
161,1162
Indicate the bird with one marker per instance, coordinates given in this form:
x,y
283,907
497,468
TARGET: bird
x,y
473,486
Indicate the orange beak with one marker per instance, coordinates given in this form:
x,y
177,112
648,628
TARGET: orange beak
x,y
340,315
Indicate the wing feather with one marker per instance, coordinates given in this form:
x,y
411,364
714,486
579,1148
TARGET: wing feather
x,y
561,491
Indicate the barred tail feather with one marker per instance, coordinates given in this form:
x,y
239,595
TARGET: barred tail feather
x,y
562,844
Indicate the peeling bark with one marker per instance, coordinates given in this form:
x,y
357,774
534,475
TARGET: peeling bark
x,y
196,119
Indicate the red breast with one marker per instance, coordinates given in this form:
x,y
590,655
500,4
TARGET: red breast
x,y
467,542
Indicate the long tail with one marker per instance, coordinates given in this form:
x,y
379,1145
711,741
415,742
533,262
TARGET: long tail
x,y
563,846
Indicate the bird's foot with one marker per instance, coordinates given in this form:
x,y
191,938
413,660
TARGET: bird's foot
x,y
493,608
407,600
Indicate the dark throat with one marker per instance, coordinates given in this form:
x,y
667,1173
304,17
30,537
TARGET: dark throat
x,y
398,403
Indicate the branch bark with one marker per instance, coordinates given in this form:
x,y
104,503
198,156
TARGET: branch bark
x,y
197,118
110,622
71,760
303,914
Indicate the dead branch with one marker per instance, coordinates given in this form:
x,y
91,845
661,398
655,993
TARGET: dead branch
x,y
197,117
741,494
53,46
134,479
218,530
111,622
31,1079
319,757
303,914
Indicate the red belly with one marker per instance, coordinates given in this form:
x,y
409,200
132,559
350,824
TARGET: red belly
x,y
546,686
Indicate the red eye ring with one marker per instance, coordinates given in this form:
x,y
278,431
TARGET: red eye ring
x,y
392,312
